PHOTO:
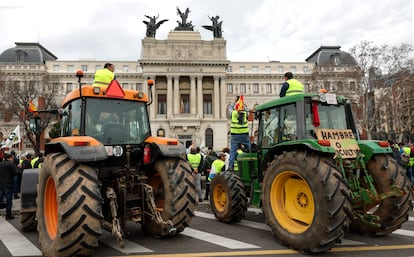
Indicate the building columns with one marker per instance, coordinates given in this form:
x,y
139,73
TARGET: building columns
x,y
223,107
176,100
216,100
200,96
169,97
192,95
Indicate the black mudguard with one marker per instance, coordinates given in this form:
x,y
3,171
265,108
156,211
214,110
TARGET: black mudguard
x,y
29,190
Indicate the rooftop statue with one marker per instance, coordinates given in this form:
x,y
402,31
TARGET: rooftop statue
x,y
184,25
215,27
152,25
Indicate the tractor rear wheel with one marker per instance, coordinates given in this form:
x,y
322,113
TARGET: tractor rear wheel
x,y
305,201
228,197
69,207
392,211
174,191
28,221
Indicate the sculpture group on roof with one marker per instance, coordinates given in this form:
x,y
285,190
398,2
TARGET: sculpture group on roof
x,y
183,25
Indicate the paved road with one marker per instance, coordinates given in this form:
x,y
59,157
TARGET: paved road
x,y
207,237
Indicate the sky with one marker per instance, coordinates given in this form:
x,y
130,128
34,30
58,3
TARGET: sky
x,y
254,30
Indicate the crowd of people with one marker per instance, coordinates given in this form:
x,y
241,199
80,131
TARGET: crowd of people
x,y
404,154
11,170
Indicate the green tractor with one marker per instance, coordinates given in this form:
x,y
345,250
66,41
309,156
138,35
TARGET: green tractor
x,y
313,177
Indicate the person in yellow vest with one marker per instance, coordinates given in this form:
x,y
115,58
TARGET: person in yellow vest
x,y
37,161
291,86
217,166
406,150
196,161
239,151
239,130
104,76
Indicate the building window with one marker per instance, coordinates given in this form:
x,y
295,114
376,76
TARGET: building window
x,y
125,85
255,88
209,137
242,88
293,69
160,132
268,69
207,104
139,69
98,67
255,69
55,67
71,68
305,69
280,69
268,88
242,69
162,104
229,68
125,68
185,103
138,86
69,87
84,68
352,85
229,88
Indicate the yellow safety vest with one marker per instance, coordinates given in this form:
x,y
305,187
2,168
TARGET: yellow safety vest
x,y
103,77
216,168
237,126
295,87
236,163
194,160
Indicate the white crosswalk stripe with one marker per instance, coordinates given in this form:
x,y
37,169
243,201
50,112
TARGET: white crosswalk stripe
x,y
15,242
18,245
217,240
262,226
130,247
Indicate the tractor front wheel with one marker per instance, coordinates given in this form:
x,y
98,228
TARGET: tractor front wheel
x,y
305,201
228,197
69,207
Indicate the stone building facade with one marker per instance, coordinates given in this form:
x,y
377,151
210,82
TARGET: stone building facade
x,y
195,83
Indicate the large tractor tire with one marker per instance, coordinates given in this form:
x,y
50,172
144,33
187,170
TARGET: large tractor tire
x,y
228,197
174,191
305,201
392,211
28,221
69,207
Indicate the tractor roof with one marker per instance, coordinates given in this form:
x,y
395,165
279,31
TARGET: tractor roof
x,y
112,92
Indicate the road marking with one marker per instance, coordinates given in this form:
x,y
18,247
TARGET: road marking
x,y
404,232
217,240
130,247
262,226
15,242
280,252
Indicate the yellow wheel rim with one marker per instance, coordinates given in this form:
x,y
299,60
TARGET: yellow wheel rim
x,y
292,202
50,208
220,198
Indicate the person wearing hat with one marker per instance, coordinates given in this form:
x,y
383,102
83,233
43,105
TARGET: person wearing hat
x,y
291,86
217,166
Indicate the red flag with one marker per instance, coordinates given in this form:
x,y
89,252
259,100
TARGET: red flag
x,y
32,107
239,106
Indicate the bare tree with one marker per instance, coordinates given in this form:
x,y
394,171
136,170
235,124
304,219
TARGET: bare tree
x,y
17,93
379,65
